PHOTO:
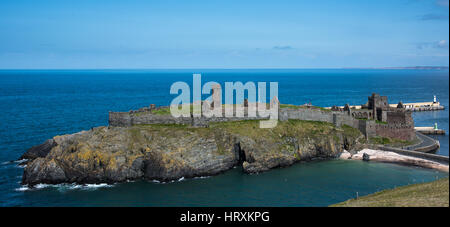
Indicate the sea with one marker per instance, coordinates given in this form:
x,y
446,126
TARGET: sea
x,y
36,105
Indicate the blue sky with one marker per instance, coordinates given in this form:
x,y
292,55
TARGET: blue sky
x,y
86,34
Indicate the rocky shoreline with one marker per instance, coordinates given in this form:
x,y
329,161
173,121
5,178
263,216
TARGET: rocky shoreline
x,y
170,152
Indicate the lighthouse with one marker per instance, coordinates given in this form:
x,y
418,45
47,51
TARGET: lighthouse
x,y
434,99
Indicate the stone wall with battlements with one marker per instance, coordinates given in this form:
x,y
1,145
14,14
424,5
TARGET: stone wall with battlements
x,y
126,119
385,122
402,132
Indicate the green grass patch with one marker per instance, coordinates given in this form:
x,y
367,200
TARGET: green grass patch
x,y
381,122
432,194
140,113
304,107
166,110
289,106
162,111
250,128
380,140
321,108
350,131
394,142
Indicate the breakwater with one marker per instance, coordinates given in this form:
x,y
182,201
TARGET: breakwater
x,y
426,144
416,106
430,130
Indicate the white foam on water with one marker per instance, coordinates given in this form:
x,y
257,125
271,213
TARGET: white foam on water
x,y
64,187
21,161
41,186
179,180
22,189
74,186
95,186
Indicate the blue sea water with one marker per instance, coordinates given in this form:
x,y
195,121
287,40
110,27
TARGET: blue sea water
x,y
39,104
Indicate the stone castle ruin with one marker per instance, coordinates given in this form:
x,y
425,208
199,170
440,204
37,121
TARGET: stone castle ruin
x,y
375,118
382,119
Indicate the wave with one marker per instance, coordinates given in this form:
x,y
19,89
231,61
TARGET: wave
x,y
168,182
64,186
23,188
20,161
178,180
14,162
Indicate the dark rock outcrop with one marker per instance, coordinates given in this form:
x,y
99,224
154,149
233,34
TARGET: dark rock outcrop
x,y
165,153
39,151
366,157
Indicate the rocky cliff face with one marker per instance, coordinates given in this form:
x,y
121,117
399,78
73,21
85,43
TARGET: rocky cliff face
x,y
169,152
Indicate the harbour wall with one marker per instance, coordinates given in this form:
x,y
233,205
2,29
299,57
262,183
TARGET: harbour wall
x,y
420,106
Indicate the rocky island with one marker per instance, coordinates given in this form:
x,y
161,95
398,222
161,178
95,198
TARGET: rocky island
x,y
150,144
169,152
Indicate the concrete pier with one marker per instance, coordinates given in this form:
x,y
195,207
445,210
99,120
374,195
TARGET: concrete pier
x,y
426,144
421,106
429,130
416,106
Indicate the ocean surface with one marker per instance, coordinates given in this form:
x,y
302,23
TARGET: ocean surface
x,y
37,104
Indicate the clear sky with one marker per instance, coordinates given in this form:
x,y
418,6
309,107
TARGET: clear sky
x,y
91,34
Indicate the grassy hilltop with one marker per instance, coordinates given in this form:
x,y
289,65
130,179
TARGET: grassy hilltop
x,y
432,194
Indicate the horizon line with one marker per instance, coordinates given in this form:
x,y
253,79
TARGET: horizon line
x,y
250,68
